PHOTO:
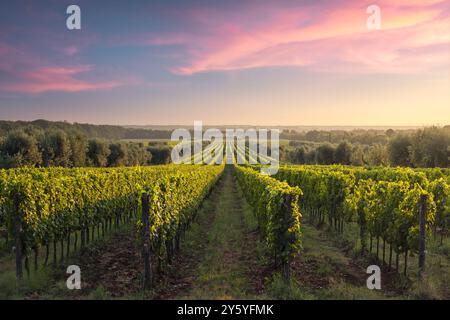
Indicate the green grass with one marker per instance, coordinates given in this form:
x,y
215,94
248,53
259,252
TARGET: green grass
x,y
280,290
221,273
338,275
47,282
332,252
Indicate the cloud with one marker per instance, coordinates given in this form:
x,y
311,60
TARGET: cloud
x,y
324,36
70,50
25,71
61,79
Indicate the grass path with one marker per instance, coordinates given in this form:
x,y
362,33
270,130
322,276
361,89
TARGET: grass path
x,y
220,244
325,271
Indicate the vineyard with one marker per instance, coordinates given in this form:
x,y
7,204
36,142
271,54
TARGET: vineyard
x,y
41,207
386,204
387,216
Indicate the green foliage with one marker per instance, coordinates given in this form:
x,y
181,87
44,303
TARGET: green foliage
x,y
78,147
429,148
118,155
100,293
343,153
19,149
377,155
426,147
322,190
90,131
383,201
55,202
160,155
298,156
279,289
276,208
441,191
56,149
398,150
62,145
97,153
325,154
137,154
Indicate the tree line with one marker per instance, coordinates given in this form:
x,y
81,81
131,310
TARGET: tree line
x,y
37,147
363,136
46,143
427,147
89,130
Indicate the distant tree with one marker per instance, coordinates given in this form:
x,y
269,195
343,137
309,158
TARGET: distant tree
x,y
55,148
313,135
325,154
19,149
310,157
343,153
97,153
429,148
118,155
283,153
138,155
298,156
160,155
358,155
293,143
390,132
90,131
78,145
377,155
399,150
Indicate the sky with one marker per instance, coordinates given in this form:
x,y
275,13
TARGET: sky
x,y
252,62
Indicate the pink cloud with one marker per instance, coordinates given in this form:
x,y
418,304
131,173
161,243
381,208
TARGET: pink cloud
x,y
13,58
413,38
27,72
70,50
56,79
150,39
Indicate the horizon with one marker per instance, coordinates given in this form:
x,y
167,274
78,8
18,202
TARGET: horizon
x,y
282,126
259,63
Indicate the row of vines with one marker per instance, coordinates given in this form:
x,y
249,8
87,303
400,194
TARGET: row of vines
x,y
43,207
276,206
386,203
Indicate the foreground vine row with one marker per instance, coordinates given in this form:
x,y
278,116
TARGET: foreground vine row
x,y
386,203
39,207
276,206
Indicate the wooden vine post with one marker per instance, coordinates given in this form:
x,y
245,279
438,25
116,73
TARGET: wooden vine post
x,y
422,232
146,236
18,236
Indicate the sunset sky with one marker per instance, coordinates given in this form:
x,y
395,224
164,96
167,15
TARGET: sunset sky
x,y
296,62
